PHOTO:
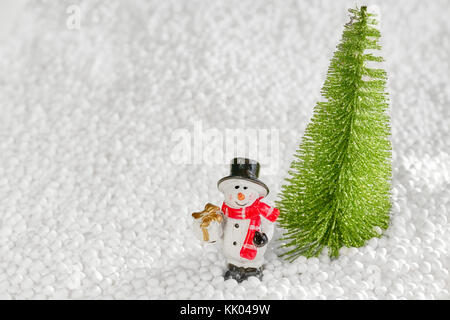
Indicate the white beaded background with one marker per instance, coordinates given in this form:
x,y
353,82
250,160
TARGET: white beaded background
x,y
93,207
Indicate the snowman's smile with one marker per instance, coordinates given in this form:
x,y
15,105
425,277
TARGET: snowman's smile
x,y
241,205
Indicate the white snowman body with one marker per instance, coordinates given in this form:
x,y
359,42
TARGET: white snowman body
x,y
240,194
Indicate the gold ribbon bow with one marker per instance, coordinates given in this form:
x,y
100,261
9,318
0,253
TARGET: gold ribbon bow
x,y
209,214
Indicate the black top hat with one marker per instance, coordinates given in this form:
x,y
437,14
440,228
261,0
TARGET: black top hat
x,y
245,169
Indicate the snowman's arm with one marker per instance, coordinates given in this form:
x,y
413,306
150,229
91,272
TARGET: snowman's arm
x,y
267,227
222,224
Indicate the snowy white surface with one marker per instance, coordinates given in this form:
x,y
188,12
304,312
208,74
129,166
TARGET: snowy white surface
x,y
91,204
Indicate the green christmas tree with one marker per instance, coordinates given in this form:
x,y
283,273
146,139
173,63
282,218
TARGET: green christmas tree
x,y
338,190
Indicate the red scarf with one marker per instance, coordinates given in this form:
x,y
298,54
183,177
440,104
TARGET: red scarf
x,y
253,212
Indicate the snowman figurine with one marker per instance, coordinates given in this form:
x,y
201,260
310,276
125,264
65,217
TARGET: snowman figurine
x,y
248,223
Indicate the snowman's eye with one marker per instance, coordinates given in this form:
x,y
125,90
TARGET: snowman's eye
x,y
245,188
236,187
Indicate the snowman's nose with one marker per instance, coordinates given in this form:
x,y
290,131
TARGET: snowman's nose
x,y
241,196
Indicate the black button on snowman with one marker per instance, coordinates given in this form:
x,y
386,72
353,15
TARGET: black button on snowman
x,y
246,224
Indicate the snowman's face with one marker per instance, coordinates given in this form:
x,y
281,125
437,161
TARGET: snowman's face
x,y
239,193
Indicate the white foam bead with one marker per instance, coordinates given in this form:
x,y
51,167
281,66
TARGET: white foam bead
x,y
397,289
428,228
228,295
302,267
299,293
208,291
425,267
428,278
138,283
206,276
216,271
251,282
230,283
217,282
27,283
283,289
16,279
48,290
399,251
358,266
195,278
218,295
305,279
337,291
25,294
181,276
93,291
313,268
5,296
348,281
291,270
321,276
239,290
268,275
273,295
